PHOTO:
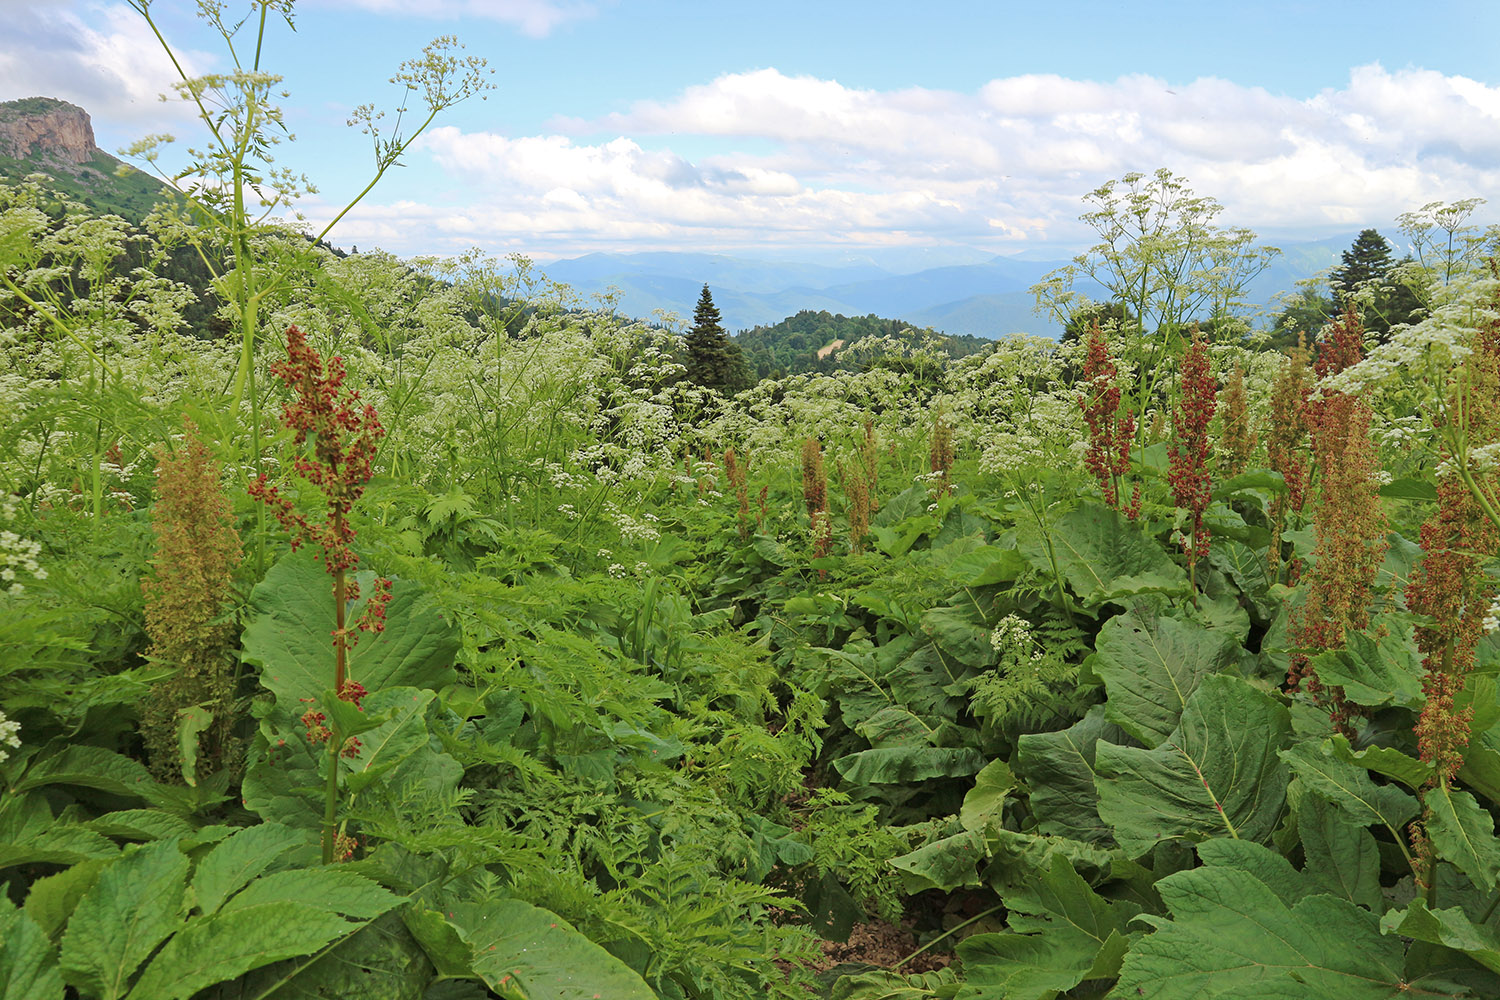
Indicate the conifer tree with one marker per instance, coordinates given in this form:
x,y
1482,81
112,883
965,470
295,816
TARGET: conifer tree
x,y
1368,261
713,360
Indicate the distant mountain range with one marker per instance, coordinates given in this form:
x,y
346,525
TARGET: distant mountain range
x,y
986,299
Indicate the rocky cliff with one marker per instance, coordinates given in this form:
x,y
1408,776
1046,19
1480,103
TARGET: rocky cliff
x,y
48,130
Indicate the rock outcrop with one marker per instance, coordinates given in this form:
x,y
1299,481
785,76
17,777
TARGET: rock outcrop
x,y
46,129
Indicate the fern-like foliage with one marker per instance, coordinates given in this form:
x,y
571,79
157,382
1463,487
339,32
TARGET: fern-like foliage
x,y
1035,683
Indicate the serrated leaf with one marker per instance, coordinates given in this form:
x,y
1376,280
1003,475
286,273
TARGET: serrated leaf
x,y
52,900
1419,488
233,863
1270,867
141,824
88,767
1018,860
292,616
328,889
1463,834
28,962
1151,666
1231,936
1387,761
131,907
381,961
1059,767
1349,786
213,949
1217,774
540,953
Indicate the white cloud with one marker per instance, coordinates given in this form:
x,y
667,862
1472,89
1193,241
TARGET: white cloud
x,y
104,59
998,167
534,18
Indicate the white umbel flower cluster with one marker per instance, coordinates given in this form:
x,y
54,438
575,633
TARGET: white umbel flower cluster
x,y
10,736
18,556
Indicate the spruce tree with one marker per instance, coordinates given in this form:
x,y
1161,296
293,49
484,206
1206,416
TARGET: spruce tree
x,y
713,360
1369,261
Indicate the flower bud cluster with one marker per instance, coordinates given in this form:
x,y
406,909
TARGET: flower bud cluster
x,y
1110,431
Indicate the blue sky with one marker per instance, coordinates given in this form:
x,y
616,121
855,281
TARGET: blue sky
x,y
827,128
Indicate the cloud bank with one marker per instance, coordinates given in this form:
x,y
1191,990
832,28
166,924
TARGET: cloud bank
x,y
1003,167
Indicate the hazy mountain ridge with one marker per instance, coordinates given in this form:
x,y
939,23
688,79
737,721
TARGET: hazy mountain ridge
x,y
989,299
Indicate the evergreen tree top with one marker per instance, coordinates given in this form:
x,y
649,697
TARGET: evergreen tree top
x,y
1369,259
706,315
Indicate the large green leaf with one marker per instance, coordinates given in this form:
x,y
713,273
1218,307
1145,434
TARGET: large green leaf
x,y
1387,761
944,864
1059,768
1063,934
896,765
382,961
1341,855
1350,787
230,943
985,802
235,861
523,946
1105,557
1450,928
88,767
331,889
403,733
132,907
991,564
28,963
292,616
29,834
283,783
1217,774
1481,770
1231,936
1377,667
52,900
1018,860
1151,666
1463,833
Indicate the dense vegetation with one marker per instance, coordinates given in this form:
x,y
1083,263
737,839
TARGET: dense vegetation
x,y
423,634
812,341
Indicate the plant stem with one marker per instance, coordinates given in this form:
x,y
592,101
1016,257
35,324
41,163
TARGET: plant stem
x,y
336,738
947,933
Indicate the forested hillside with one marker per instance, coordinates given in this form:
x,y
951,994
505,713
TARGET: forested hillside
x,y
813,341
408,630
